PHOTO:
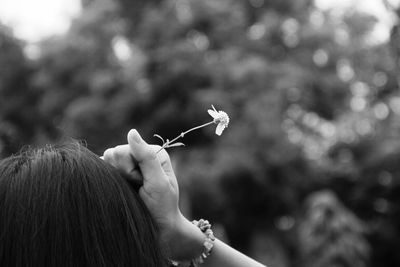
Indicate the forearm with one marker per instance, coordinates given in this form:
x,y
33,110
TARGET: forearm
x,y
189,245
224,255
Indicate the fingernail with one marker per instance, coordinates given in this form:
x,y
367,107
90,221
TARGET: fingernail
x,y
134,136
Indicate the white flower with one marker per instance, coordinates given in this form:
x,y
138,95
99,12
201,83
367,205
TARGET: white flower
x,y
220,118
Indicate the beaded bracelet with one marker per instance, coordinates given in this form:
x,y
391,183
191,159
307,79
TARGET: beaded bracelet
x,y
208,244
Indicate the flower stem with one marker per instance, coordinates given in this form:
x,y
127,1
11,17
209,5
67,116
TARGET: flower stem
x,y
166,144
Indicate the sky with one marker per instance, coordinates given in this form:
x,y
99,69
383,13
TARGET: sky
x,y
33,20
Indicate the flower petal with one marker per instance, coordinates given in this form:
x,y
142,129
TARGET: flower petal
x,y
220,128
212,113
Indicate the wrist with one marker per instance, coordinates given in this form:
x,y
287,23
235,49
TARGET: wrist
x,y
186,241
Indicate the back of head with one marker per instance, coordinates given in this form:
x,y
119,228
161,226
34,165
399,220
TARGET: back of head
x,y
63,206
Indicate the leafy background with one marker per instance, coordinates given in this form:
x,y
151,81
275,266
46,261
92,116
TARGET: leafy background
x,y
308,172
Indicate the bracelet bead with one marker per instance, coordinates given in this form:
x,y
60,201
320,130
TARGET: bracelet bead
x,y
208,244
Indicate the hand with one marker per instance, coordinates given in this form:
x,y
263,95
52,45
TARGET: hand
x,y
140,163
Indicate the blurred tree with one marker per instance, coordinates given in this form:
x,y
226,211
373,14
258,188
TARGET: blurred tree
x,y
18,120
312,97
330,235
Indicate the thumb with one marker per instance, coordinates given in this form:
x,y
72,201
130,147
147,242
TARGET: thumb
x,y
146,157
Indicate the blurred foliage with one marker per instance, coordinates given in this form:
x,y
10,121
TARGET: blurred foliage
x,y
313,101
330,235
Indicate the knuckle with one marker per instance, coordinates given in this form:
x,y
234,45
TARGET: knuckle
x,y
118,153
108,154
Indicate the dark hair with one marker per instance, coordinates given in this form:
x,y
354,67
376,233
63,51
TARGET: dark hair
x,y
64,206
